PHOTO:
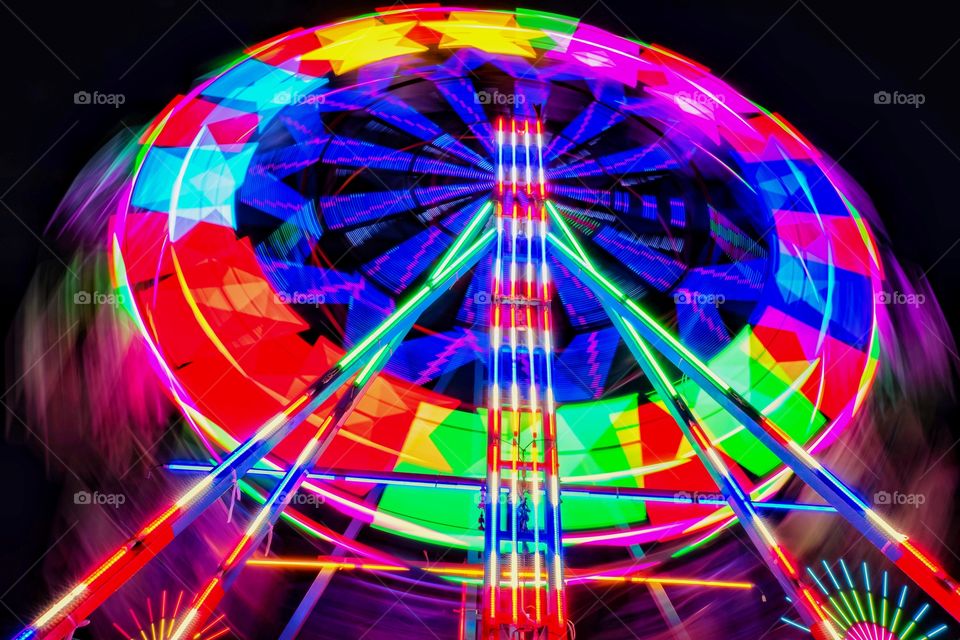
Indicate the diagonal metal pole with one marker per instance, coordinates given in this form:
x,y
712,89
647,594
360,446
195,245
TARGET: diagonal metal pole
x,y
320,583
216,588
63,616
773,555
926,573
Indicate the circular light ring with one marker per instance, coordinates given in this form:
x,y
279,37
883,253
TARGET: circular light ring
x,y
866,604
220,219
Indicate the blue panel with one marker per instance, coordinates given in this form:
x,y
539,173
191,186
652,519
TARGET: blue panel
x,y
804,297
660,270
593,121
317,284
257,87
424,359
476,303
735,281
396,268
468,103
784,185
348,152
429,196
360,208
369,307
701,328
157,177
270,195
286,160
580,372
581,306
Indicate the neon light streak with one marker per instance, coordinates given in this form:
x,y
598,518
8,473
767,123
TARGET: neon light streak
x,y
555,545
281,496
526,146
462,239
476,571
680,582
500,156
514,401
450,262
313,564
774,555
533,394
457,483
513,150
540,172
854,620
492,507
525,294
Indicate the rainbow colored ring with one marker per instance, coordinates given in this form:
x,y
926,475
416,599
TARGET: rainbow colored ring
x,y
218,244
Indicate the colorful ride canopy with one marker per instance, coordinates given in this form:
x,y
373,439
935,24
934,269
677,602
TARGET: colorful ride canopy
x,y
281,209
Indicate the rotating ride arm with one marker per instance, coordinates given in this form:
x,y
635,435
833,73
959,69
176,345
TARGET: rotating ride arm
x,y
213,592
774,556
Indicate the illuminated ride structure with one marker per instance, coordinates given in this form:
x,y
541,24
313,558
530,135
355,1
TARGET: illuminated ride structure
x,y
434,258
863,605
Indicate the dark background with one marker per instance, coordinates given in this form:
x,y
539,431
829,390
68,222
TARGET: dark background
x,y
817,62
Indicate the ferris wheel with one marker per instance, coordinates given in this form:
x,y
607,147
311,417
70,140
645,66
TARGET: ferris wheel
x,y
501,282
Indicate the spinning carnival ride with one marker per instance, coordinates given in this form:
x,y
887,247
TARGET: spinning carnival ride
x,y
503,282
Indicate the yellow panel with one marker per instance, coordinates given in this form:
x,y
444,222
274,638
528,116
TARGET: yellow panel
x,y
356,44
490,32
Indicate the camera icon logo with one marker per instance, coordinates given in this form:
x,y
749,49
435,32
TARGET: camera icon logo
x,y
481,297
82,497
882,97
882,497
82,297
82,97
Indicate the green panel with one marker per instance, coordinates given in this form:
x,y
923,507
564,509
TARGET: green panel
x,y
796,415
462,440
448,511
532,19
585,427
588,442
